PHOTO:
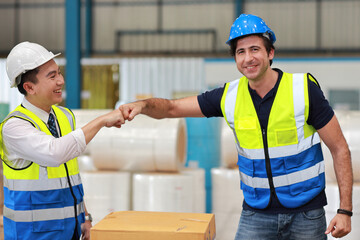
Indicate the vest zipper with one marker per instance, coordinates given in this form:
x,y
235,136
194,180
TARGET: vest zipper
x,y
73,195
267,162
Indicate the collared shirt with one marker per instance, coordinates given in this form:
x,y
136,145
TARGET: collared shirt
x,y
23,143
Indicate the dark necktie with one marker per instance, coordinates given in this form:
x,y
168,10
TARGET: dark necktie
x,y
52,126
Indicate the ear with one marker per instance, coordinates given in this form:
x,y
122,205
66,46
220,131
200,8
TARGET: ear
x,y
271,54
29,87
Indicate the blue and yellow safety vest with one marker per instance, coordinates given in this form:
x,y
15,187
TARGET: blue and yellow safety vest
x,y
285,158
42,202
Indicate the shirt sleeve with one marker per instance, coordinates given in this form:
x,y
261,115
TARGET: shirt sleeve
x,y
320,110
210,102
24,142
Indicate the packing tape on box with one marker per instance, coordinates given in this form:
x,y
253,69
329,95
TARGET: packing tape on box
x,y
106,192
143,144
227,196
163,192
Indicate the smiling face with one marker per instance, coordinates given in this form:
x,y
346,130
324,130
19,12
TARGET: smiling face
x,y
251,57
47,91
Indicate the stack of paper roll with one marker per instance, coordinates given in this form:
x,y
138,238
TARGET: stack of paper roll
x,y
144,144
105,192
227,196
227,199
199,193
332,193
169,192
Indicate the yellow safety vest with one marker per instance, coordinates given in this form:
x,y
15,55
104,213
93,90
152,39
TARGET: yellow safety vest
x,y
286,157
39,202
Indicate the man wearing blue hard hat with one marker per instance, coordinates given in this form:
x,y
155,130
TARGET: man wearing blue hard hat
x,y
278,120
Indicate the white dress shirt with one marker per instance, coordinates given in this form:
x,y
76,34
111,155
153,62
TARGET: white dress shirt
x,y
23,143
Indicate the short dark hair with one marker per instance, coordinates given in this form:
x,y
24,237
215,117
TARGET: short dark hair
x,y
267,43
29,76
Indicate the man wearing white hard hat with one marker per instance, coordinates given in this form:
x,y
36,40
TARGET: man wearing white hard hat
x,y
278,119
39,146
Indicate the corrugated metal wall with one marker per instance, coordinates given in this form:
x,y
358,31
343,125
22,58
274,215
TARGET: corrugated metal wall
x,y
160,77
299,24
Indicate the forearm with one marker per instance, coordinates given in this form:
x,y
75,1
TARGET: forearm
x,y
334,139
165,108
92,128
157,108
344,176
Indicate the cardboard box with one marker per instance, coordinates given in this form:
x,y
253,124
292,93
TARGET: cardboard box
x,y
137,225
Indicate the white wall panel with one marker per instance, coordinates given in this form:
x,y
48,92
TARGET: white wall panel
x,y
160,77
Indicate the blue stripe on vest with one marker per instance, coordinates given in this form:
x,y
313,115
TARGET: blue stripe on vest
x,y
303,191
283,165
30,200
290,196
42,230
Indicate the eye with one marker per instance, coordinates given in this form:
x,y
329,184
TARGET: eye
x,y
240,51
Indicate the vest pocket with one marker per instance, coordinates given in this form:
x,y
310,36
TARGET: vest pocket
x,y
302,175
305,186
248,130
47,211
286,137
246,168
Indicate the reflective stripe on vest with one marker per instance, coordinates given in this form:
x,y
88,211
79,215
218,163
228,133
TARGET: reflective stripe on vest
x,y
43,214
41,184
293,146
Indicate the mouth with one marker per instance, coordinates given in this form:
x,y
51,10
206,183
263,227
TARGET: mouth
x,y
250,67
58,91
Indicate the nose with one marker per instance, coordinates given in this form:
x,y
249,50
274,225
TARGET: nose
x,y
60,80
248,56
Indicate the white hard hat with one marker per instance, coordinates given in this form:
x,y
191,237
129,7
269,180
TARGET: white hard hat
x,y
24,57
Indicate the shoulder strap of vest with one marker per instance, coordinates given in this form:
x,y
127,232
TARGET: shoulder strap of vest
x,y
312,78
68,113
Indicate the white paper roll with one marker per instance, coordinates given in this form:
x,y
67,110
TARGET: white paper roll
x,y
106,192
86,164
226,225
199,193
144,144
227,196
164,192
228,150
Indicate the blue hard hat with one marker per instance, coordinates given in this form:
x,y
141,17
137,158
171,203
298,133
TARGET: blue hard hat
x,y
247,24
